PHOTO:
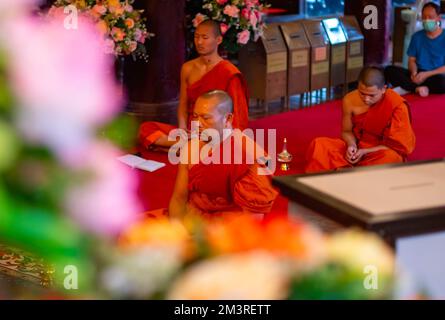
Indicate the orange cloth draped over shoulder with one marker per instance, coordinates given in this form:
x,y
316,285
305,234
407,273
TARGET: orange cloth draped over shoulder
x,y
224,76
217,190
231,188
387,123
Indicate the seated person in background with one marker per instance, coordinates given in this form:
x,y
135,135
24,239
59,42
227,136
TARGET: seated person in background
x,y
215,190
376,128
426,64
207,72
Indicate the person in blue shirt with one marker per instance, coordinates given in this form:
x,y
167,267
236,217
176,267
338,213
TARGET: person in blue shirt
x,y
426,52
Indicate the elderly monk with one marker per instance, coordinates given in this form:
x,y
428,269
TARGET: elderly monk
x,y
207,72
227,188
376,128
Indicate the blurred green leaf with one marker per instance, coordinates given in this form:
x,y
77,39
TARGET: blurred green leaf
x,y
122,132
10,145
6,100
335,281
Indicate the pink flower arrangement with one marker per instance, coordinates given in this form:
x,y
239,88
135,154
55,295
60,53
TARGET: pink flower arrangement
x,y
107,203
198,19
224,27
64,92
62,109
117,20
240,21
231,11
243,37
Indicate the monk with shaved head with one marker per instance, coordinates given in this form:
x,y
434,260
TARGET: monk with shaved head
x,y
376,128
207,72
212,189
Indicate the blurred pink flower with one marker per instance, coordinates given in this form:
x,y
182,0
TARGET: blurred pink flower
x,y
140,36
224,27
56,13
109,46
117,34
107,203
221,2
259,15
198,19
13,7
97,11
245,13
133,46
243,37
100,9
231,11
63,82
128,8
254,19
251,3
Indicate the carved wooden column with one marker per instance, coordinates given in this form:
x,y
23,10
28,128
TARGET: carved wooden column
x,y
376,40
153,87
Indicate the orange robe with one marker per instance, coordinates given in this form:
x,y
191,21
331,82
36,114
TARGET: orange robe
x,y
230,188
217,190
387,123
224,76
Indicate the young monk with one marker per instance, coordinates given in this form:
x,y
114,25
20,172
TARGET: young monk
x,y
376,128
207,72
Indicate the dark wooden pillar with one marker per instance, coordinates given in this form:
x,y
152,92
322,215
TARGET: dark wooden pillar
x,y
153,87
376,40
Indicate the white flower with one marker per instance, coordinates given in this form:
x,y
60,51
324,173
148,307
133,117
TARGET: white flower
x,y
252,276
138,274
357,250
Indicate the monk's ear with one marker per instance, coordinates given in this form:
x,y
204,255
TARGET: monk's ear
x,y
219,40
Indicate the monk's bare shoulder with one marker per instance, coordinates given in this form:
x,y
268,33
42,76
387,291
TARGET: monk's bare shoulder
x,y
187,67
348,101
351,101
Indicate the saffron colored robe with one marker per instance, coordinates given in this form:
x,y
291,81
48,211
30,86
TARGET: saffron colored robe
x,y
218,190
224,76
387,123
231,188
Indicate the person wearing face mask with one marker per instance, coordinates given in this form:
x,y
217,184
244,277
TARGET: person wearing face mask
x,y
426,52
376,128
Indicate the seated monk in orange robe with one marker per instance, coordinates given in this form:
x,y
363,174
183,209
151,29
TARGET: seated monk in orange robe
x,y
219,189
207,72
376,128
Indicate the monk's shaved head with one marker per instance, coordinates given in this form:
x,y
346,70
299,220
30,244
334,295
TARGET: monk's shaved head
x,y
223,102
213,25
372,76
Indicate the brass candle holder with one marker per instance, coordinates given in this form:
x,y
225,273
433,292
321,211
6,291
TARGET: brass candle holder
x,y
284,157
